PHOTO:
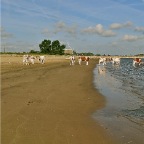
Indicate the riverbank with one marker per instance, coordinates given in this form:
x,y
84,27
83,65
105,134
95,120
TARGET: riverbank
x,y
51,103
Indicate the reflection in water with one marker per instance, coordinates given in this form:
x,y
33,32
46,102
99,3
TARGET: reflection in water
x,y
101,70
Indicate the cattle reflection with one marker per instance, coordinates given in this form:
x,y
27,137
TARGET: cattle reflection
x,y
101,70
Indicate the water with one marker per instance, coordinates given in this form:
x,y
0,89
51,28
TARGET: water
x,y
132,78
123,87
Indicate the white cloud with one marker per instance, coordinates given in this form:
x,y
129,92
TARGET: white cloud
x,y
60,25
72,29
120,25
115,26
98,29
131,38
108,33
139,29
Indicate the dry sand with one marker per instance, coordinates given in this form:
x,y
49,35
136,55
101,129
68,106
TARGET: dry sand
x,y
50,103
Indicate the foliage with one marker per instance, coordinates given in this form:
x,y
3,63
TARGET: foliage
x,y
86,54
139,55
52,48
33,51
98,55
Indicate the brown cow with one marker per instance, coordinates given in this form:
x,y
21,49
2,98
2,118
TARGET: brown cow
x,y
137,62
83,58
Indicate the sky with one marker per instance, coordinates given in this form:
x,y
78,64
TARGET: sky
x,y
114,27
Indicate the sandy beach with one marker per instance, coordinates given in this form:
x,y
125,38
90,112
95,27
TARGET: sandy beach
x,y
51,103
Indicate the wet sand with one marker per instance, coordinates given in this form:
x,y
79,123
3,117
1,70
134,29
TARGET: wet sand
x,y
50,104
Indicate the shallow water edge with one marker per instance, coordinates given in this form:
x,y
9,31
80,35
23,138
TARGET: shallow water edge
x,y
123,116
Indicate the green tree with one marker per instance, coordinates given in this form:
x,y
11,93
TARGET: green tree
x,y
55,47
33,51
52,47
45,47
61,50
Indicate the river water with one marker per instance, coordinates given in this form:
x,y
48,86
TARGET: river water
x,y
123,87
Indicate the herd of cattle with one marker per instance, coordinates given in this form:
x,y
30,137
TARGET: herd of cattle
x,y
29,59
116,60
105,60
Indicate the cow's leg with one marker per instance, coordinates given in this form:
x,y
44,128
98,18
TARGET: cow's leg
x,y
32,61
79,62
73,62
100,61
41,61
24,61
104,62
86,62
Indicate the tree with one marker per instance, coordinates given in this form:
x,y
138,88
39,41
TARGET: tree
x,y
61,50
33,51
45,47
55,47
52,47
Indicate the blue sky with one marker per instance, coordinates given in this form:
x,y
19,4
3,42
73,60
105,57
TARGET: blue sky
x,y
114,27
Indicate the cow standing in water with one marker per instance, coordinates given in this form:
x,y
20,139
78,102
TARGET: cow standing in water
x,y
116,61
105,60
137,62
83,58
102,60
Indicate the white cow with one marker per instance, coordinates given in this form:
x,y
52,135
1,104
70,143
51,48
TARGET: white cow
x,y
32,59
41,59
25,60
102,60
28,59
72,60
116,60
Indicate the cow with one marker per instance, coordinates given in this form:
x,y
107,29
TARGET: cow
x,y
25,60
41,59
116,60
83,58
72,60
28,59
31,59
137,62
102,60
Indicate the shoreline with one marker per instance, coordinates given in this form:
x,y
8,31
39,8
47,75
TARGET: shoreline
x,y
51,103
115,116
